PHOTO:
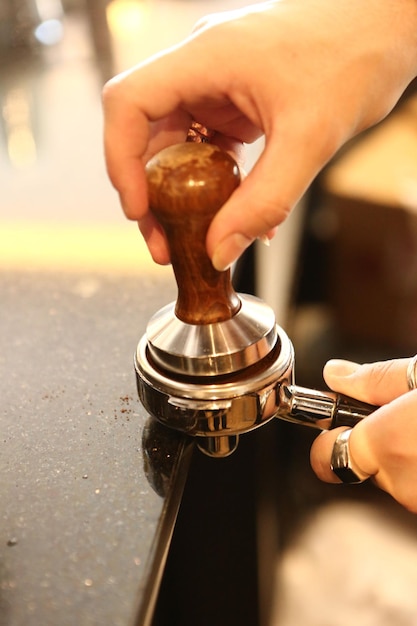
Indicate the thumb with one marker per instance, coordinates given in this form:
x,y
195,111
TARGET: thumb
x,y
377,383
279,178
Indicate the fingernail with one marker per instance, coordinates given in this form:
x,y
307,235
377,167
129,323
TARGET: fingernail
x,y
229,250
340,367
265,240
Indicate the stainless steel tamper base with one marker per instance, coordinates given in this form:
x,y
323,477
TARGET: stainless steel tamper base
x,y
211,350
215,409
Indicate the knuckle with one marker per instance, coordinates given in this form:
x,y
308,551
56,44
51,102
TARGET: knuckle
x,y
115,91
108,91
382,370
380,382
376,378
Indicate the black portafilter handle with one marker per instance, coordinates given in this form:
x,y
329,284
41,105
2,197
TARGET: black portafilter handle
x,y
320,409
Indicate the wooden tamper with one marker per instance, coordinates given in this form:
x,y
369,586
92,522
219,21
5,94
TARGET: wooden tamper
x,y
215,364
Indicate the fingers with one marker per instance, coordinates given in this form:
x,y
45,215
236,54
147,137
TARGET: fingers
x,y
360,452
155,238
152,106
134,104
382,445
377,383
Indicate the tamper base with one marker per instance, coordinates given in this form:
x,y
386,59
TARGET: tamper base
x,y
212,349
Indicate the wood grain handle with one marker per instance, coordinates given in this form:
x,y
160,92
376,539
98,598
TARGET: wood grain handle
x,y
187,184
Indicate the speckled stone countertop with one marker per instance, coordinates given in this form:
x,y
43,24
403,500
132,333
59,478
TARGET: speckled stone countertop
x,y
89,487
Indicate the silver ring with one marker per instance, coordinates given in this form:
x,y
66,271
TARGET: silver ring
x,y
342,464
412,373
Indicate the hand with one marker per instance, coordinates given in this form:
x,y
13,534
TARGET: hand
x,y
308,74
384,444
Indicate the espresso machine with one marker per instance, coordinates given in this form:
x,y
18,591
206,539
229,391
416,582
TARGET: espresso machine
x,y
215,364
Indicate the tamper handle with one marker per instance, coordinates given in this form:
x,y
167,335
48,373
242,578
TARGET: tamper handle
x,y
187,185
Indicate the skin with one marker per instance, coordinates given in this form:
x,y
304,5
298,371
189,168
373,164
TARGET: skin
x,y
384,444
308,75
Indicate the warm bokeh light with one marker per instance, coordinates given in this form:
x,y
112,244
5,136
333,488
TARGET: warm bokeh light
x,y
20,142
126,18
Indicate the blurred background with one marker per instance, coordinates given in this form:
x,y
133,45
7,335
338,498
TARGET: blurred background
x,y
341,273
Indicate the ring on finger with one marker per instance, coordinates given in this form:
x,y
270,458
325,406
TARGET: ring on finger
x,y
342,464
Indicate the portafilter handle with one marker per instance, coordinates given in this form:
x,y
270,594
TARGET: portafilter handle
x,y
320,409
187,185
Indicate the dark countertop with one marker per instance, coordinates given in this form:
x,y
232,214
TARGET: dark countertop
x,y
86,511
